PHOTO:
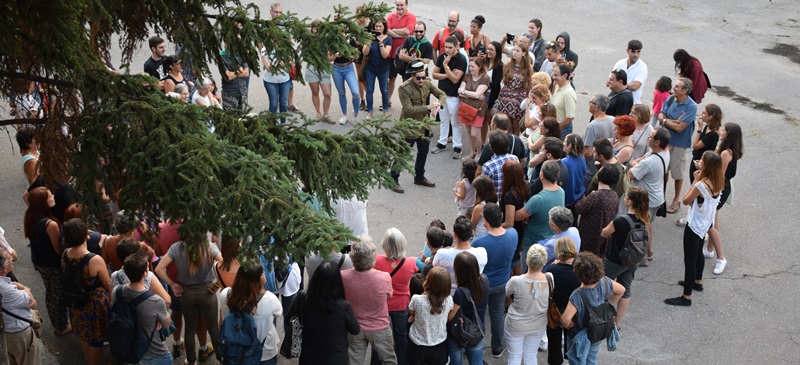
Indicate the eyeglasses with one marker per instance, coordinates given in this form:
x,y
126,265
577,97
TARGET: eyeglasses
x,y
420,77
419,31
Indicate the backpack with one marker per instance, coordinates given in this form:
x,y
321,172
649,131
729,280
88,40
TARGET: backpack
x,y
633,249
238,338
599,321
73,290
128,342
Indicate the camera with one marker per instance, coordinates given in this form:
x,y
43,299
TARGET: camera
x,y
376,33
346,249
509,38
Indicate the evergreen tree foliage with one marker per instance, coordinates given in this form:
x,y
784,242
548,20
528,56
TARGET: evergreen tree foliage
x,y
157,158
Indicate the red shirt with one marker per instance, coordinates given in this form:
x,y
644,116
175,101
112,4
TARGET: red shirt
x,y
438,43
400,289
393,21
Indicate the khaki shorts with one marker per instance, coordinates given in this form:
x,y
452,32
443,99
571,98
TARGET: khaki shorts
x,y
678,157
312,75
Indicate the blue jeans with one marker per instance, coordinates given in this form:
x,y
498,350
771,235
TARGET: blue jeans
x,y
591,359
566,131
342,75
272,361
278,93
497,303
399,322
383,82
165,359
474,354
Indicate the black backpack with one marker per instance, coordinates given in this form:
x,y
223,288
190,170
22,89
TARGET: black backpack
x,y
635,244
73,289
127,341
463,331
599,321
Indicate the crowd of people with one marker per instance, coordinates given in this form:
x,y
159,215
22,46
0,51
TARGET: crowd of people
x,y
545,213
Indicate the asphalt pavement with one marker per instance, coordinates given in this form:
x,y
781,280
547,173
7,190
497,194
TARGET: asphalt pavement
x,y
749,50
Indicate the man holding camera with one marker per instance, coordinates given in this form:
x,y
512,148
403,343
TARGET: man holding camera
x,y
414,95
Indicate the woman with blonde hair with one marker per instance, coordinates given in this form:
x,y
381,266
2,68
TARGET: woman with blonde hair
x,y
196,286
517,82
564,282
641,114
526,320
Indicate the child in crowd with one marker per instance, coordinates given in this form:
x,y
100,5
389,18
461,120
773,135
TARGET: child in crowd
x,y
428,315
660,95
464,191
426,251
484,193
125,248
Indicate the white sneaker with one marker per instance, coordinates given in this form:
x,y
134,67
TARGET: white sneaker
x,y
707,254
343,120
721,263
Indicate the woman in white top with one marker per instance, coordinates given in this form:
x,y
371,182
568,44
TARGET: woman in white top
x,y
248,293
428,315
526,320
203,96
703,197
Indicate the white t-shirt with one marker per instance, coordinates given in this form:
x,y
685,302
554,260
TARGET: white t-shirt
x,y
428,329
637,72
353,214
446,256
268,308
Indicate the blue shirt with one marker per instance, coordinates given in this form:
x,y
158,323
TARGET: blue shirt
x,y
673,110
550,244
574,189
500,251
376,62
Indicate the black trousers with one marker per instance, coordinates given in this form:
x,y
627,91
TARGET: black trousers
x,y
555,349
693,259
423,146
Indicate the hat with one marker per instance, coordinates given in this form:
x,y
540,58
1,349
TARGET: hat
x,y
415,66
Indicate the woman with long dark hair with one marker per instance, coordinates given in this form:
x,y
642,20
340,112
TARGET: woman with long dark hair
x,y
515,194
484,193
430,312
226,270
517,82
730,150
44,232
194,258
471,296
327,318
688,66
247,293
537,48
638,204
378,65
494,69
703,197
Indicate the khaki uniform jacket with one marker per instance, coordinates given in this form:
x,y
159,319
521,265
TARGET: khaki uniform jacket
x,y
415,99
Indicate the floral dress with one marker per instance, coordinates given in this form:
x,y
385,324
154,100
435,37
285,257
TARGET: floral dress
x,y
90,323
511,96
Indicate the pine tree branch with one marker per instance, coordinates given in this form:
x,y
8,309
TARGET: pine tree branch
x,y
42,79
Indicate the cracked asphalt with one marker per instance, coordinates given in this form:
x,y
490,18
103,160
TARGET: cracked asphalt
x,y
749,50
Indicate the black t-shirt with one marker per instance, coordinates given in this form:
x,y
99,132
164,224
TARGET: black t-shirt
x,y
515,146
709,139
457,62
563,179
620,103
510,199
343,59
64,197
423,50
621,229
564,282
155,68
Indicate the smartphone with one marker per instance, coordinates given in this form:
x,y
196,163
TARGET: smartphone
x,y
376,33
509,38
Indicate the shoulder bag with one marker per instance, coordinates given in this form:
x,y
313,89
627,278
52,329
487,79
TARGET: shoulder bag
x,y
553,314
463,330
36,322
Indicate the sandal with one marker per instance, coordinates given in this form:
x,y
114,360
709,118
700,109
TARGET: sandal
x,y
64,332
673,207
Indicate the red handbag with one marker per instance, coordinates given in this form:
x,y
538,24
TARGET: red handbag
x,y
466,111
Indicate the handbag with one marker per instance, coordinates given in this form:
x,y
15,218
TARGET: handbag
x,y
35,322
292,344
553,314
461,329
466,111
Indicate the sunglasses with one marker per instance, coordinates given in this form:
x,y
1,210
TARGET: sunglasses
x,y
419,31
420,77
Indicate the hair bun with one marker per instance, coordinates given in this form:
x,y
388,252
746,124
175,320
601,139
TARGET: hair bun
x,y
480,19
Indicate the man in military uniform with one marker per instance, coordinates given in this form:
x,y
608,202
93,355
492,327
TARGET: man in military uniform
x,y
414,95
